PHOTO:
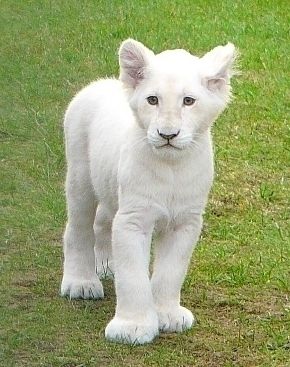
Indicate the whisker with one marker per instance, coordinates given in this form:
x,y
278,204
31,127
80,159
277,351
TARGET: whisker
x,y
195,145
138,141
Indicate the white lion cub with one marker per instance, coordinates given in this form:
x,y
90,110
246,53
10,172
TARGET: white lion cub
x,y
139,159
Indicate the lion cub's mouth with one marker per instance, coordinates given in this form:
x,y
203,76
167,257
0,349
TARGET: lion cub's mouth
x,y
168,146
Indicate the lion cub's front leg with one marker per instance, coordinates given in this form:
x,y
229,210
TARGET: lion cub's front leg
x,y
172,256
135,320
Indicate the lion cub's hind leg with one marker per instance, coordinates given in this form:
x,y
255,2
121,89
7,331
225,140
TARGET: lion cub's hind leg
x,y
103,245
79,275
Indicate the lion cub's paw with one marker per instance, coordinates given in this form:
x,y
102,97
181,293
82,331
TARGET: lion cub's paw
x,y
82,288
175,320
130,331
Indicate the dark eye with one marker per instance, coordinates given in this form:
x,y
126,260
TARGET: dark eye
x,y
188,101
153,100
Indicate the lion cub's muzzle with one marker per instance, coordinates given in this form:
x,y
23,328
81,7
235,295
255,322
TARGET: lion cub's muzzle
x,y
168,135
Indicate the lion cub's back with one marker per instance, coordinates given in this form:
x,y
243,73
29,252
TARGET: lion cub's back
x,y
102,102
99,115
96,125
108,131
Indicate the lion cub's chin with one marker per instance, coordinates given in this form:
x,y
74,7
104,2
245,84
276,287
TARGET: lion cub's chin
x,y
170,152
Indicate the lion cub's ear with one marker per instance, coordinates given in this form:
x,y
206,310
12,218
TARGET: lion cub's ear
x,y
134,57
218,67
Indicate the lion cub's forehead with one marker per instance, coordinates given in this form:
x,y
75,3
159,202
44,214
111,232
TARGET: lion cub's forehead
x,y
174,71
174,58
174,62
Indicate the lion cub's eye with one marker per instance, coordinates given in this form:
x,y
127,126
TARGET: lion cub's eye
x,y
188,101
153,100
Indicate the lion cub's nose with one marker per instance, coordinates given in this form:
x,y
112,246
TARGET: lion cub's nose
x,y
168,136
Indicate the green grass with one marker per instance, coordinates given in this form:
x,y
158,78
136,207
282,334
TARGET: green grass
x,y
238,284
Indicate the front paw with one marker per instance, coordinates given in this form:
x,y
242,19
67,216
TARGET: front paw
x,y
72,288
132,331
175,320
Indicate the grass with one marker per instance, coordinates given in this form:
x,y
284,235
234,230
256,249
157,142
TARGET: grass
x,y
239,281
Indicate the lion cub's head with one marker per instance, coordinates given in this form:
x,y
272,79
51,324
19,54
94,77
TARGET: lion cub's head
x,y
176,96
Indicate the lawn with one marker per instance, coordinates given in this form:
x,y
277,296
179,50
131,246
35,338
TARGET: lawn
x,y
238,284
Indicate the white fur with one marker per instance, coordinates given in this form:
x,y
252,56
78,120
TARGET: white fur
x,y
120,176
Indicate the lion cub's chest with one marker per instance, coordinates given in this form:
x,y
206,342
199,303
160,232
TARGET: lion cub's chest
x,y
176,192
164,191
179,193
